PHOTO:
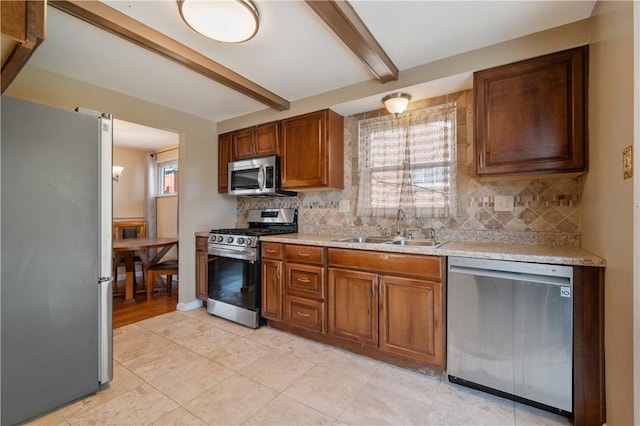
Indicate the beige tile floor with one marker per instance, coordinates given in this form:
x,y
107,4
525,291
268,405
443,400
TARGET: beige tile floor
x,y
190,368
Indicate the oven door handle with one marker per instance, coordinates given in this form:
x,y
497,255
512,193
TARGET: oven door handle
x,y
241,254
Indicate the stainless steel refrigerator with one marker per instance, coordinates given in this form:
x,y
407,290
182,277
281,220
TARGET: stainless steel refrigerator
x,y
56,256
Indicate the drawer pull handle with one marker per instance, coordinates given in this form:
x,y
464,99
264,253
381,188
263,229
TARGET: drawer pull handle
x,y
270,251
304,254
304,280
302,314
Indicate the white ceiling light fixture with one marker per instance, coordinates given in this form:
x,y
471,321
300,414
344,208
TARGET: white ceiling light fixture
x,y
229,21
396,103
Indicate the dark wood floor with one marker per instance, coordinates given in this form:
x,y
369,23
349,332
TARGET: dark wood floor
x,y
124,314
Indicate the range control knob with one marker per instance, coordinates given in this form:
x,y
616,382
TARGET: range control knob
x,y
220,238
230,239
248,241
240,240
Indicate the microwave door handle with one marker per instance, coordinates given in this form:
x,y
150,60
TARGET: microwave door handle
x,y
261,177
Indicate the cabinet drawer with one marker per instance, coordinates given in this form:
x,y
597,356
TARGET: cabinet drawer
x,y
305,254
202,243
305,313
421,266
272,250
305,280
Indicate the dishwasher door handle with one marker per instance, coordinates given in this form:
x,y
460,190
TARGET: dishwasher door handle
x,y
542,279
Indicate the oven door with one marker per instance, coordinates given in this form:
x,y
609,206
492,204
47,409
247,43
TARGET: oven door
x,y
234,289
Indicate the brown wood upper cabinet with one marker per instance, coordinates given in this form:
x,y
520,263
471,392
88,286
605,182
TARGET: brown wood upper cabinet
x,y
312,151
225,155
530,116
259,141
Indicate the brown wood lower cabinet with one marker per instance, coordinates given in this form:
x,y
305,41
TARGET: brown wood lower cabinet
x,y
353,306
272,288
400,315
388,306
202,267
412,319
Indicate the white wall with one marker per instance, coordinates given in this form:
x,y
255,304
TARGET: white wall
x,y
128,192
201,208
167,221
607,202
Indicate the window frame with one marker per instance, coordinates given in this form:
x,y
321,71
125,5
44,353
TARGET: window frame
x,y
160,167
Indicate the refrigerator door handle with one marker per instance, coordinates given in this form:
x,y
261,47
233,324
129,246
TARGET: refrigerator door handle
x,y
105,332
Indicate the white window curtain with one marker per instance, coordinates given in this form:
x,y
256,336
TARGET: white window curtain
x,y
409,162
150,196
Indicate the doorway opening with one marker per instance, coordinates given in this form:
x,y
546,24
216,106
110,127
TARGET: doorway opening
x,y
146,191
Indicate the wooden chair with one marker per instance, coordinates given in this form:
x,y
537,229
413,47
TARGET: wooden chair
x,y
168,268
127,229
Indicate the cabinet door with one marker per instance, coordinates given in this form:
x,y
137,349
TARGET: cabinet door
x,y
411,318
272,289
530,116
243,144
202,268
266,139
353,305
224,156
312,151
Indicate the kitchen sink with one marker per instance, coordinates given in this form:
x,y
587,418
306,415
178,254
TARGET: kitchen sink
x,y
423,243
375,240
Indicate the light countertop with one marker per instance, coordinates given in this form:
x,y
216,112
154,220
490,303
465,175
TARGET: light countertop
x,y
560,255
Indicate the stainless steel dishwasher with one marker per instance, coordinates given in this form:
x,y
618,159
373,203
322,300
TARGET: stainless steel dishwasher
x,y
509,330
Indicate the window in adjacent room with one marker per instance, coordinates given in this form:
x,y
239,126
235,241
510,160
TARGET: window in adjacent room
x,y
168,178
409,162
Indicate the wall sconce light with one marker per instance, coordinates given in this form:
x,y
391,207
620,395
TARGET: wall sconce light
x,y
117,172
230,21
396,103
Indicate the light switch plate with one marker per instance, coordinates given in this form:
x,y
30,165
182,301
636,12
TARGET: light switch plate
x,y
503,203
344,206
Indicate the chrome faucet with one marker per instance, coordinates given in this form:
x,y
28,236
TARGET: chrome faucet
x,y
400,215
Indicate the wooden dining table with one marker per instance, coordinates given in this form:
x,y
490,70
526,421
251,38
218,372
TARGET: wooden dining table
x,y
128,248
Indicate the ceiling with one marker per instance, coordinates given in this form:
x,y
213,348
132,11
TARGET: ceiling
x,y
137,136
294,54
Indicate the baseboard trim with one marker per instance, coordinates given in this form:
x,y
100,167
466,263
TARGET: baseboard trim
x,y
194,304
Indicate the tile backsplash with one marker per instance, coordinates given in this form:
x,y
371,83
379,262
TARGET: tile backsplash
x,y
546,211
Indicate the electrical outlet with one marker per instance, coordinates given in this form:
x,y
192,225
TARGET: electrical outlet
x,y
503,203
344,206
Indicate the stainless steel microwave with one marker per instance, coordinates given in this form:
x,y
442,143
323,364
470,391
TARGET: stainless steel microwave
x,y
257,177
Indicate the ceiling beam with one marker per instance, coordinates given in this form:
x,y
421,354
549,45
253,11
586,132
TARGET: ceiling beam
x,y
106,18
346,24
24,23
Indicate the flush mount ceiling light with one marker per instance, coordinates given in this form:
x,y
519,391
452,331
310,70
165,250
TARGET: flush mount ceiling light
x,y
396,103
230,21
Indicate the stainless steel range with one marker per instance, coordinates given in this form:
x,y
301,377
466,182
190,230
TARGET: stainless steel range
x,y
234,264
